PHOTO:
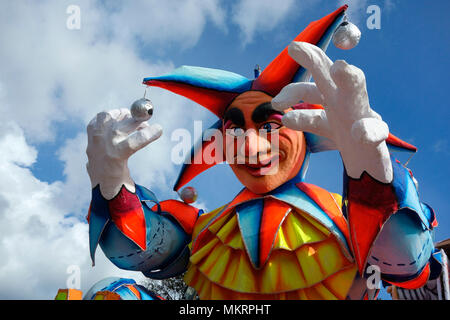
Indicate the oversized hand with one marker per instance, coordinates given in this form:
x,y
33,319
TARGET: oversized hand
x,y
358,132
113,136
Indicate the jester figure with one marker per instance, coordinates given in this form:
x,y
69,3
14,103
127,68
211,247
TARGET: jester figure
x,y
280,237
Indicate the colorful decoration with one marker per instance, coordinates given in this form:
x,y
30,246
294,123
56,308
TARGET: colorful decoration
x,y
119,289
69,294
216,89
280,237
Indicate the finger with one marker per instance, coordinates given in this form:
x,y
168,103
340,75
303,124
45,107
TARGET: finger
x,y
105,116
129,124
139,140
296,92
91,127
101,119
98,123
346,76
351,85
314,121
317,62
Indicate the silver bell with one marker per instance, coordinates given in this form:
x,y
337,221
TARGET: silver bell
x,y
142,110
346,36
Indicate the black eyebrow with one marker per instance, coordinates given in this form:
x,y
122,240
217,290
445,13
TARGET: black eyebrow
x,y
263,112
236,116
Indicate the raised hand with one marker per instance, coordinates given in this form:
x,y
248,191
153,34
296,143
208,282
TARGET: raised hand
x,y
113,136
358,132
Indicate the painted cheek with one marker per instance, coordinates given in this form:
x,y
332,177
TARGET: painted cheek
x,y
294,146
285,146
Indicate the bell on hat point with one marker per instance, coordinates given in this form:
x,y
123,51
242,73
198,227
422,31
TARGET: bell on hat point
x,y
142,109
346,36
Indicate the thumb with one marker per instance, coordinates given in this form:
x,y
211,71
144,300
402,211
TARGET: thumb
x,y
314,121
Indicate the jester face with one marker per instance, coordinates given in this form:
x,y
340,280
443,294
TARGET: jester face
x,y
262,153
243,107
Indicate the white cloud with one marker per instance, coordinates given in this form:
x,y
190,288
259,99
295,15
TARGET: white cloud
x,y
441,146
389,5
256,16
165,22
50,73
50,76
38,241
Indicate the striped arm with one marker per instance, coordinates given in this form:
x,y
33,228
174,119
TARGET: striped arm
x,y
436,289
391,228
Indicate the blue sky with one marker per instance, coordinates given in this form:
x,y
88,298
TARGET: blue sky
x,y
55,80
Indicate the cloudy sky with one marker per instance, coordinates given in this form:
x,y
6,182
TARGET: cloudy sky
x,y
53,80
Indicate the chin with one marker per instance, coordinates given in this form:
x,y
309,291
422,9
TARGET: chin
x,y
262,187
260,184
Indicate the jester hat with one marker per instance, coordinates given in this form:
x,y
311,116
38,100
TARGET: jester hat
x,y
216,89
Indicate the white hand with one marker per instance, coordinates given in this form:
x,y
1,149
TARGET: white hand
x,y
358,132
113,136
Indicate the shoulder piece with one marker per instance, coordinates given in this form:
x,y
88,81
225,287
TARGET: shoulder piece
x,y
185,214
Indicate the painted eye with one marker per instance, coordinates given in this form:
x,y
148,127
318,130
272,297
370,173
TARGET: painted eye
x,y
270,126
236,131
